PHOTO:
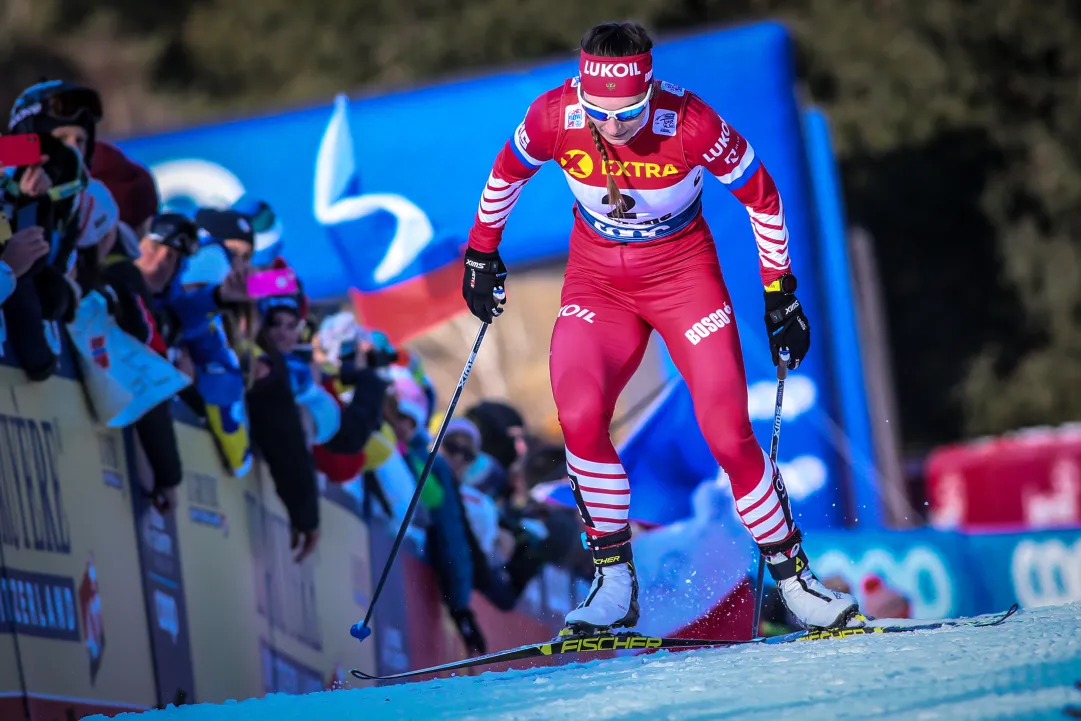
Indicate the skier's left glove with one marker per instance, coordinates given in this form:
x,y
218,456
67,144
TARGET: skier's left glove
x,y
482,286
786,324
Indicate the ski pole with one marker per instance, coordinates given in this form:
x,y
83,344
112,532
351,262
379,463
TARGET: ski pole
x,y
361,630
760,585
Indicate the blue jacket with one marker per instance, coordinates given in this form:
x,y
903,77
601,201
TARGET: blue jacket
x,y
218,377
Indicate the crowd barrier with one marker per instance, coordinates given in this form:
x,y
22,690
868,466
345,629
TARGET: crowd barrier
x,y
108,606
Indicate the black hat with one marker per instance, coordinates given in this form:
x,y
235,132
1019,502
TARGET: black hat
x,y
51,104
225,224
175,231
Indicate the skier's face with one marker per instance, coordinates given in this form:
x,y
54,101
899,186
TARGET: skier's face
x,y
605,114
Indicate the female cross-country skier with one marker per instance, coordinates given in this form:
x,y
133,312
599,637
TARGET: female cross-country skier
x,y
635,150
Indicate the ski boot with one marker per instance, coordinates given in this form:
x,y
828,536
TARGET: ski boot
x,y
613,598
815,606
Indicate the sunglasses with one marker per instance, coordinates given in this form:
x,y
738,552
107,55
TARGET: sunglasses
x,y
622,115
465,452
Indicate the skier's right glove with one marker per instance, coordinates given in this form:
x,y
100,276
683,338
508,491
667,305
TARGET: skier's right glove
x,y
482,286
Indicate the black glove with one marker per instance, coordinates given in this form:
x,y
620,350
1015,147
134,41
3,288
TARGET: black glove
x,y
785,322
482,286
467,627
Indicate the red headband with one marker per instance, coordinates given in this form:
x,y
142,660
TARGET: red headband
x,y
616,77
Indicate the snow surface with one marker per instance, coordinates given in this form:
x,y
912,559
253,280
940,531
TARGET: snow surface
x,y
1028,668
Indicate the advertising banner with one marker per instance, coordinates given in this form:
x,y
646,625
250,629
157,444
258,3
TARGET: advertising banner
x,y
1029,479
310,606
945,574
69,588
216,553
285,625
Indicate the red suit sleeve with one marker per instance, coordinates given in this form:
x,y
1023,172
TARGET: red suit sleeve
x,y
532,144
711,142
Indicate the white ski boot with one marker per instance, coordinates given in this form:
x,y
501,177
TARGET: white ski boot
x,y
613,598
813,604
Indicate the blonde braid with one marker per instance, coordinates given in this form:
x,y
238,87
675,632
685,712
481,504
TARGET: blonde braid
x,y
615,199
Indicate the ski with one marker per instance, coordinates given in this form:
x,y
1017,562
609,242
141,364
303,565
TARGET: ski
x,y
560,646
990,619
638,642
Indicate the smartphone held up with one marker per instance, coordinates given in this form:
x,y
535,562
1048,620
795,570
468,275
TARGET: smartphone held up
x,y
17,151
267,283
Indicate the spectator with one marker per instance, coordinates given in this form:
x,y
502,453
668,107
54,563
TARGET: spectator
x,y
351,373
502,442
447,549
120,279
68,111
501,431
460,447
232,229
193,303
503,560
189,321
277,426
43,295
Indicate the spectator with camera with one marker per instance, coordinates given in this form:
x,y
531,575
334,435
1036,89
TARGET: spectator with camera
x,y
200,287
353,369
43,191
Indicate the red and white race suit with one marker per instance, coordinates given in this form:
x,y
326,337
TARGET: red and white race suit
x,y
654,268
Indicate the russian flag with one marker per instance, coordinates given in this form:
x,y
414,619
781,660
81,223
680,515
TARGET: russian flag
x,y
406,274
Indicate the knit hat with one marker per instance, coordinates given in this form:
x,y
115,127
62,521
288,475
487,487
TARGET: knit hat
x,y
131,185
465,427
